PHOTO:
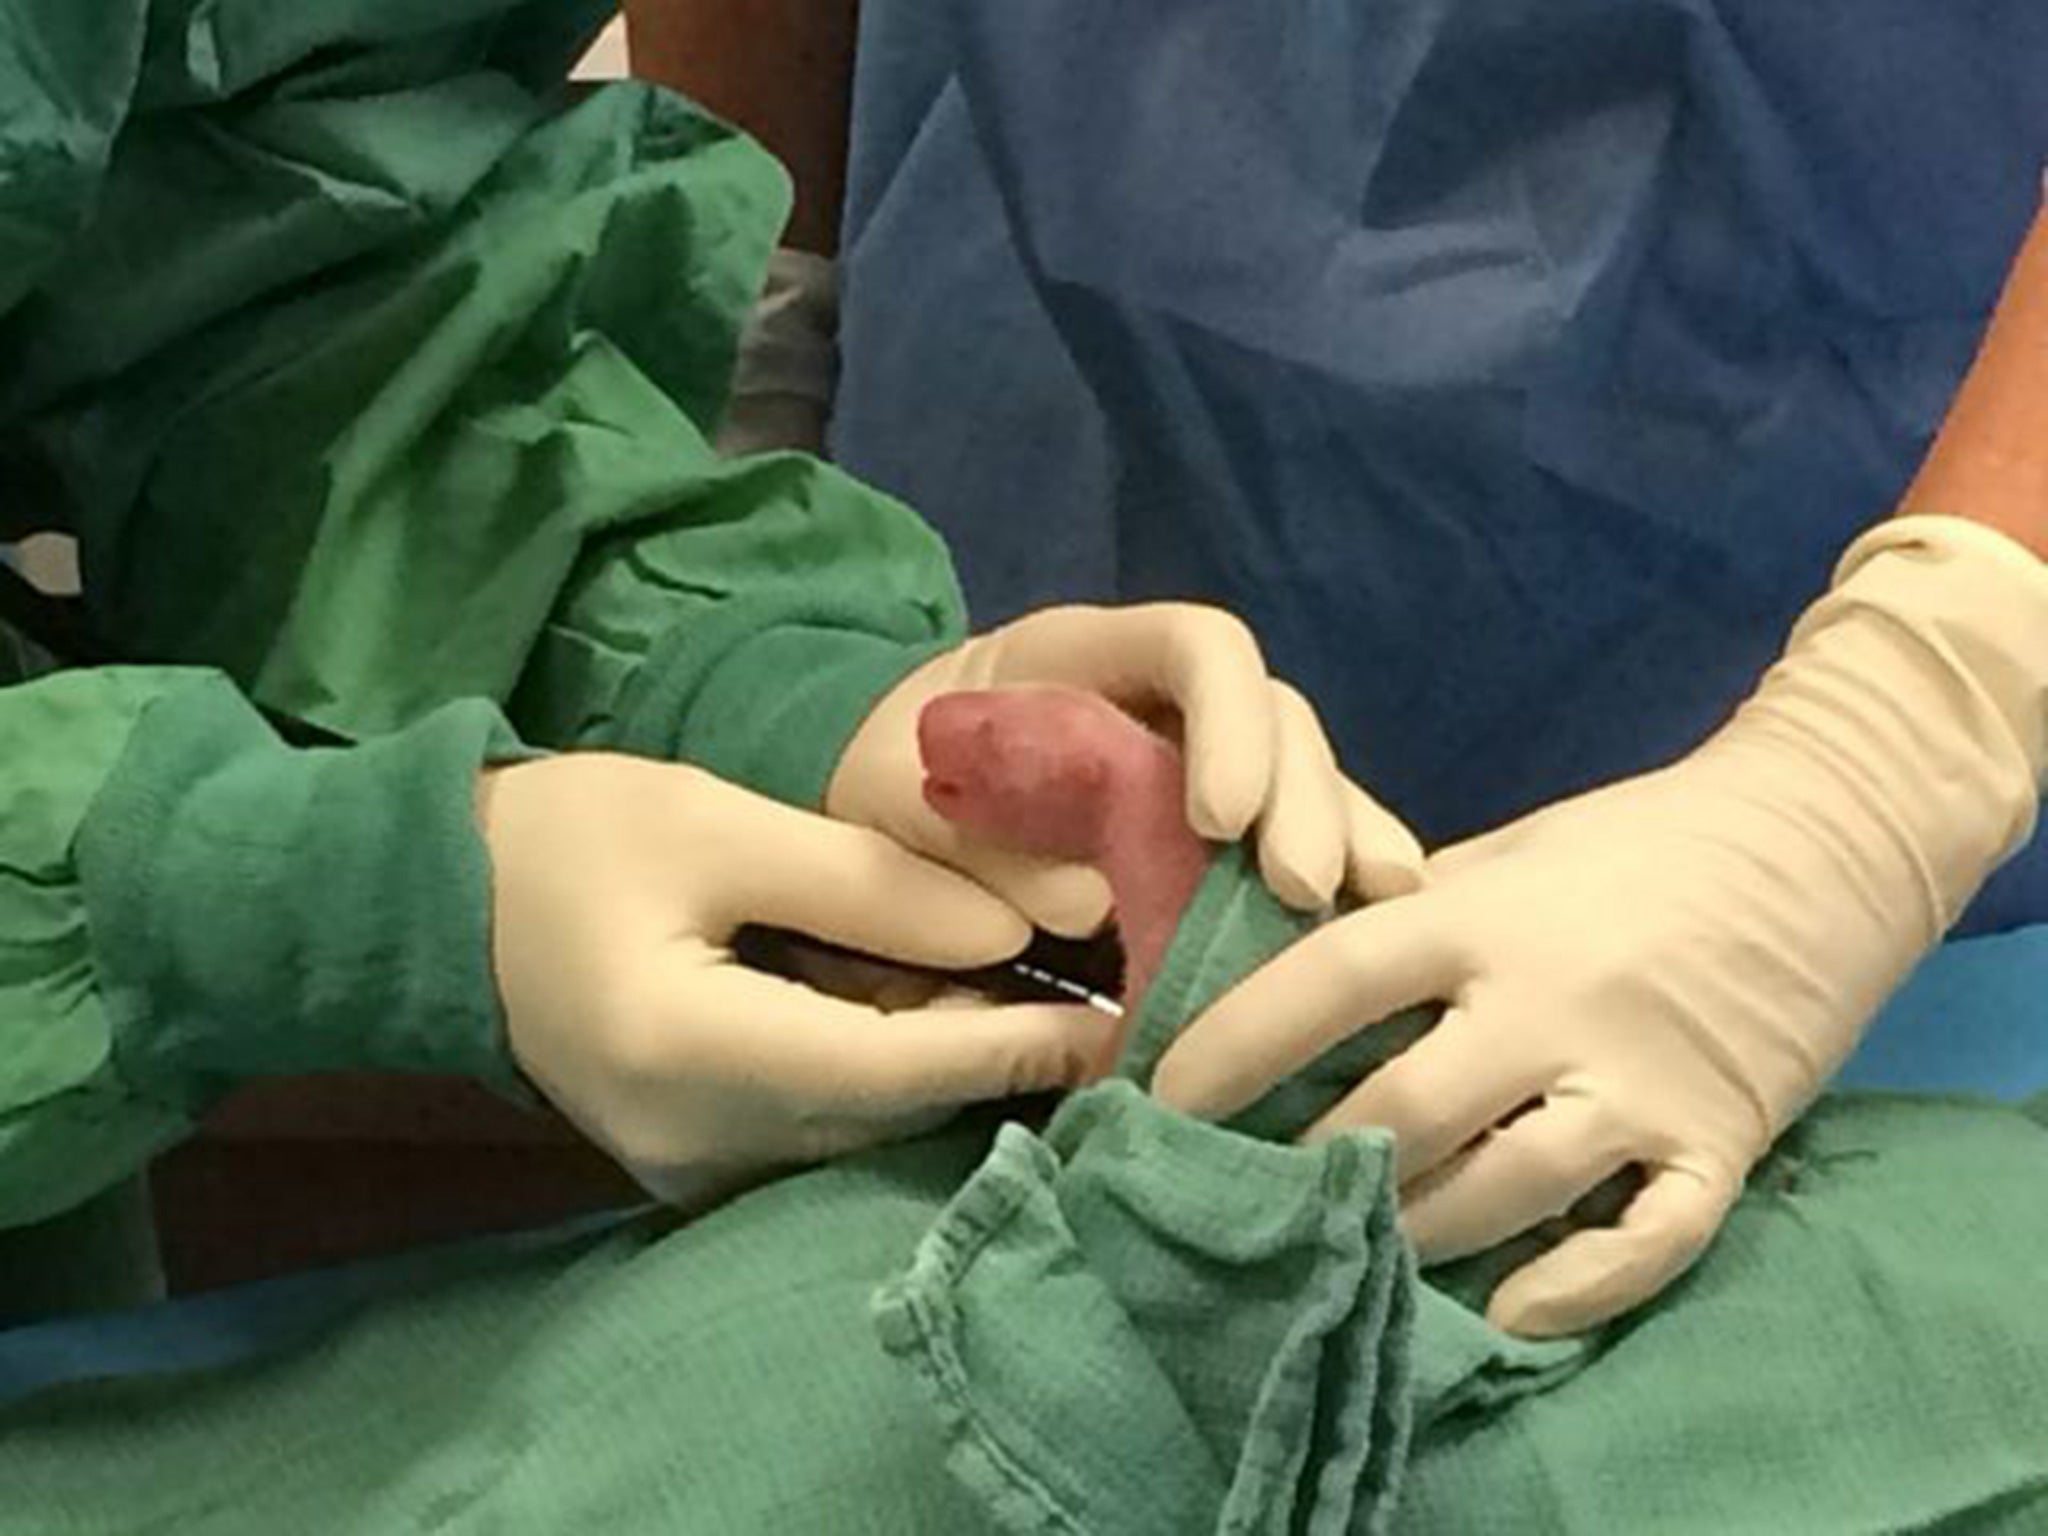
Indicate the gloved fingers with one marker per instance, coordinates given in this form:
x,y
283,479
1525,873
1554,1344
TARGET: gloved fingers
x,y
694,1182
1304,836
1440,1096
1453,860
765,1037
1070,900
1344,977
1382,858
952,997
857,1062
1600,1273
791,869
1512,1179
837,1136
1217,676
959,1056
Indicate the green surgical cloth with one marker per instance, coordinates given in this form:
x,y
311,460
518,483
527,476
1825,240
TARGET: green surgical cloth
x,y
371,383
377,389
1127,1322
375,383
1260,1291
188,900
1863,1350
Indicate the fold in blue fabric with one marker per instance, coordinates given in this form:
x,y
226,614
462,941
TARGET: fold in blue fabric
x,y
1517,367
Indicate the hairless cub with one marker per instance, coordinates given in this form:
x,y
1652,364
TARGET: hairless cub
x,y
1067,775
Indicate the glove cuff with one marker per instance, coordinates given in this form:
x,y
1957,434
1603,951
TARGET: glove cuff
x,y
1978,600
260,910
768,695
1920,682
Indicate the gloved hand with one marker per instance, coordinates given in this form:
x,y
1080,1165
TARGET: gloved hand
x,y
1257,760
617,884
1666,971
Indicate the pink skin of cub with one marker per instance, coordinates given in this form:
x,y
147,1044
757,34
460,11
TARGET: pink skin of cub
x,y
1066,775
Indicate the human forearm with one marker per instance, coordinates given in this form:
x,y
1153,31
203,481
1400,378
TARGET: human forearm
x,y
1989,463
780,69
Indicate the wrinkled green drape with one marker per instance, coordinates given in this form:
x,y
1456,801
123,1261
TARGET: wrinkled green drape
x,y
376,383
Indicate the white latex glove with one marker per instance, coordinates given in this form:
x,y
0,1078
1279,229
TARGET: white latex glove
x,y
1258,762
617,884
1665,972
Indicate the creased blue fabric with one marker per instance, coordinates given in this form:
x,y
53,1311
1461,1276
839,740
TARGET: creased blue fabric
x,y
1518,367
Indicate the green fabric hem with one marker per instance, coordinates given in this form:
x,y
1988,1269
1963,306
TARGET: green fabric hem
x,y
766,694
1324,1444
257,910
1118,1189
916,1319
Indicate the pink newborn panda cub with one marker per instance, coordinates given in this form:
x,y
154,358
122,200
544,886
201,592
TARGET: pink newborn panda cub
x,y
1067,775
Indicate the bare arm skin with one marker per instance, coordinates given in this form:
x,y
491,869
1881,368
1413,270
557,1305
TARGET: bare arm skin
x,y
781,69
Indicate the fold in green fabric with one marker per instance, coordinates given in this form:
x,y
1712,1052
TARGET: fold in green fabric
x,y
1870,1247
187,902
263,910
1125,1321
379,380
1145,1324
1251,1315
369,380
1863,1350
716,1377
414,400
